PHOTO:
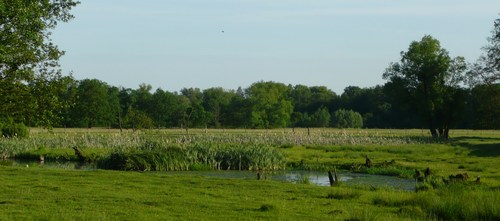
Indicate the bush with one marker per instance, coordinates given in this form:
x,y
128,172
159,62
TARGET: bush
x,y
14,130
347,119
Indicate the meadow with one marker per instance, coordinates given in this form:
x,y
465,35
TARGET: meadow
x,y
141,187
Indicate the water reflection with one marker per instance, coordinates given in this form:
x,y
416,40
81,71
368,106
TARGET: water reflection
x,y
314,177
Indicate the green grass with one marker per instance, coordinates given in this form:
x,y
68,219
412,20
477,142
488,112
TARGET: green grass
x,y
51,194
35,193
55,194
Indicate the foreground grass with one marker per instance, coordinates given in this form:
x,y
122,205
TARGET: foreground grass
x,y
55,194
34,193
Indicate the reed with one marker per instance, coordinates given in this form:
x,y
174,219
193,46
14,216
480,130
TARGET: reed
x,y
216,157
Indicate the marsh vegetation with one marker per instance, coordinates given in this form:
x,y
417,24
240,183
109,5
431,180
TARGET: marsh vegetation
x,y
392,152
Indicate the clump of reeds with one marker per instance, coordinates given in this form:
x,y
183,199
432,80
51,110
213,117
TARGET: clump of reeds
x,y
303,179
389,171
217,157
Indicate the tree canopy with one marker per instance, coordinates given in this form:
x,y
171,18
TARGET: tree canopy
x,y
426,87
28,56
429,79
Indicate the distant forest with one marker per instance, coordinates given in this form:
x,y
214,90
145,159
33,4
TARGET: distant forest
x,y
93,103
426,88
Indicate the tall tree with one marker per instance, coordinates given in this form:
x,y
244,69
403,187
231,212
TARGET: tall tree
x,y
52,99
271,105
216,102
485,106
167,108
430,80
114,115
196,116
484,78
27,52
142,98
92,107
239,110
301,96
487,68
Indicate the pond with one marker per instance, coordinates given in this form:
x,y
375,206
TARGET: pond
x,y
296,176
315,177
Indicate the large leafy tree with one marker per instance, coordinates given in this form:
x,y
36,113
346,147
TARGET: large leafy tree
x,y
239,111
216,102
52,99
485,102
168,108
195,116
487,68
301,96
271,105
429,79
93,106
371,103
28,55
484,78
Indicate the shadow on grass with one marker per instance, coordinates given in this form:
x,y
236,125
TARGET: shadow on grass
x,y
480,146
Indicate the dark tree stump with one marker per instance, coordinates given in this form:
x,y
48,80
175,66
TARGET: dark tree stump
x,y
79,154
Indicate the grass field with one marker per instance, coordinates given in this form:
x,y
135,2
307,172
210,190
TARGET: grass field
x,y
35,193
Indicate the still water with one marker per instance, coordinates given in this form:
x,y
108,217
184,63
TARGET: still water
x,y
315,177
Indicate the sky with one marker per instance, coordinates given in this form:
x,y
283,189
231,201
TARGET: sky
x,y
175,44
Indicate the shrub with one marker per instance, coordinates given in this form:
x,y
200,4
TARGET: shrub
x,y
347,119
18,130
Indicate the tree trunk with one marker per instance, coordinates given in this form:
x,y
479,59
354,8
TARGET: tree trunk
x,y
432,127
434,133
331,178
120,121
444,133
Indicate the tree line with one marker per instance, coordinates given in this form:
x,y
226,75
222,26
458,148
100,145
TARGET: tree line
x,y
94,103
426,88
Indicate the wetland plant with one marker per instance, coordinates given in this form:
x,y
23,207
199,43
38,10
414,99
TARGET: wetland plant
x,y
217,157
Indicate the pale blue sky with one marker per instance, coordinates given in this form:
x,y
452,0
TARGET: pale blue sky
x,y
174,44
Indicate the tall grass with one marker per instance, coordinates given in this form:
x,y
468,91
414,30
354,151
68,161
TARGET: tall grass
x,y
227,149
174,158
111,139
459,203
146,151
454,202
